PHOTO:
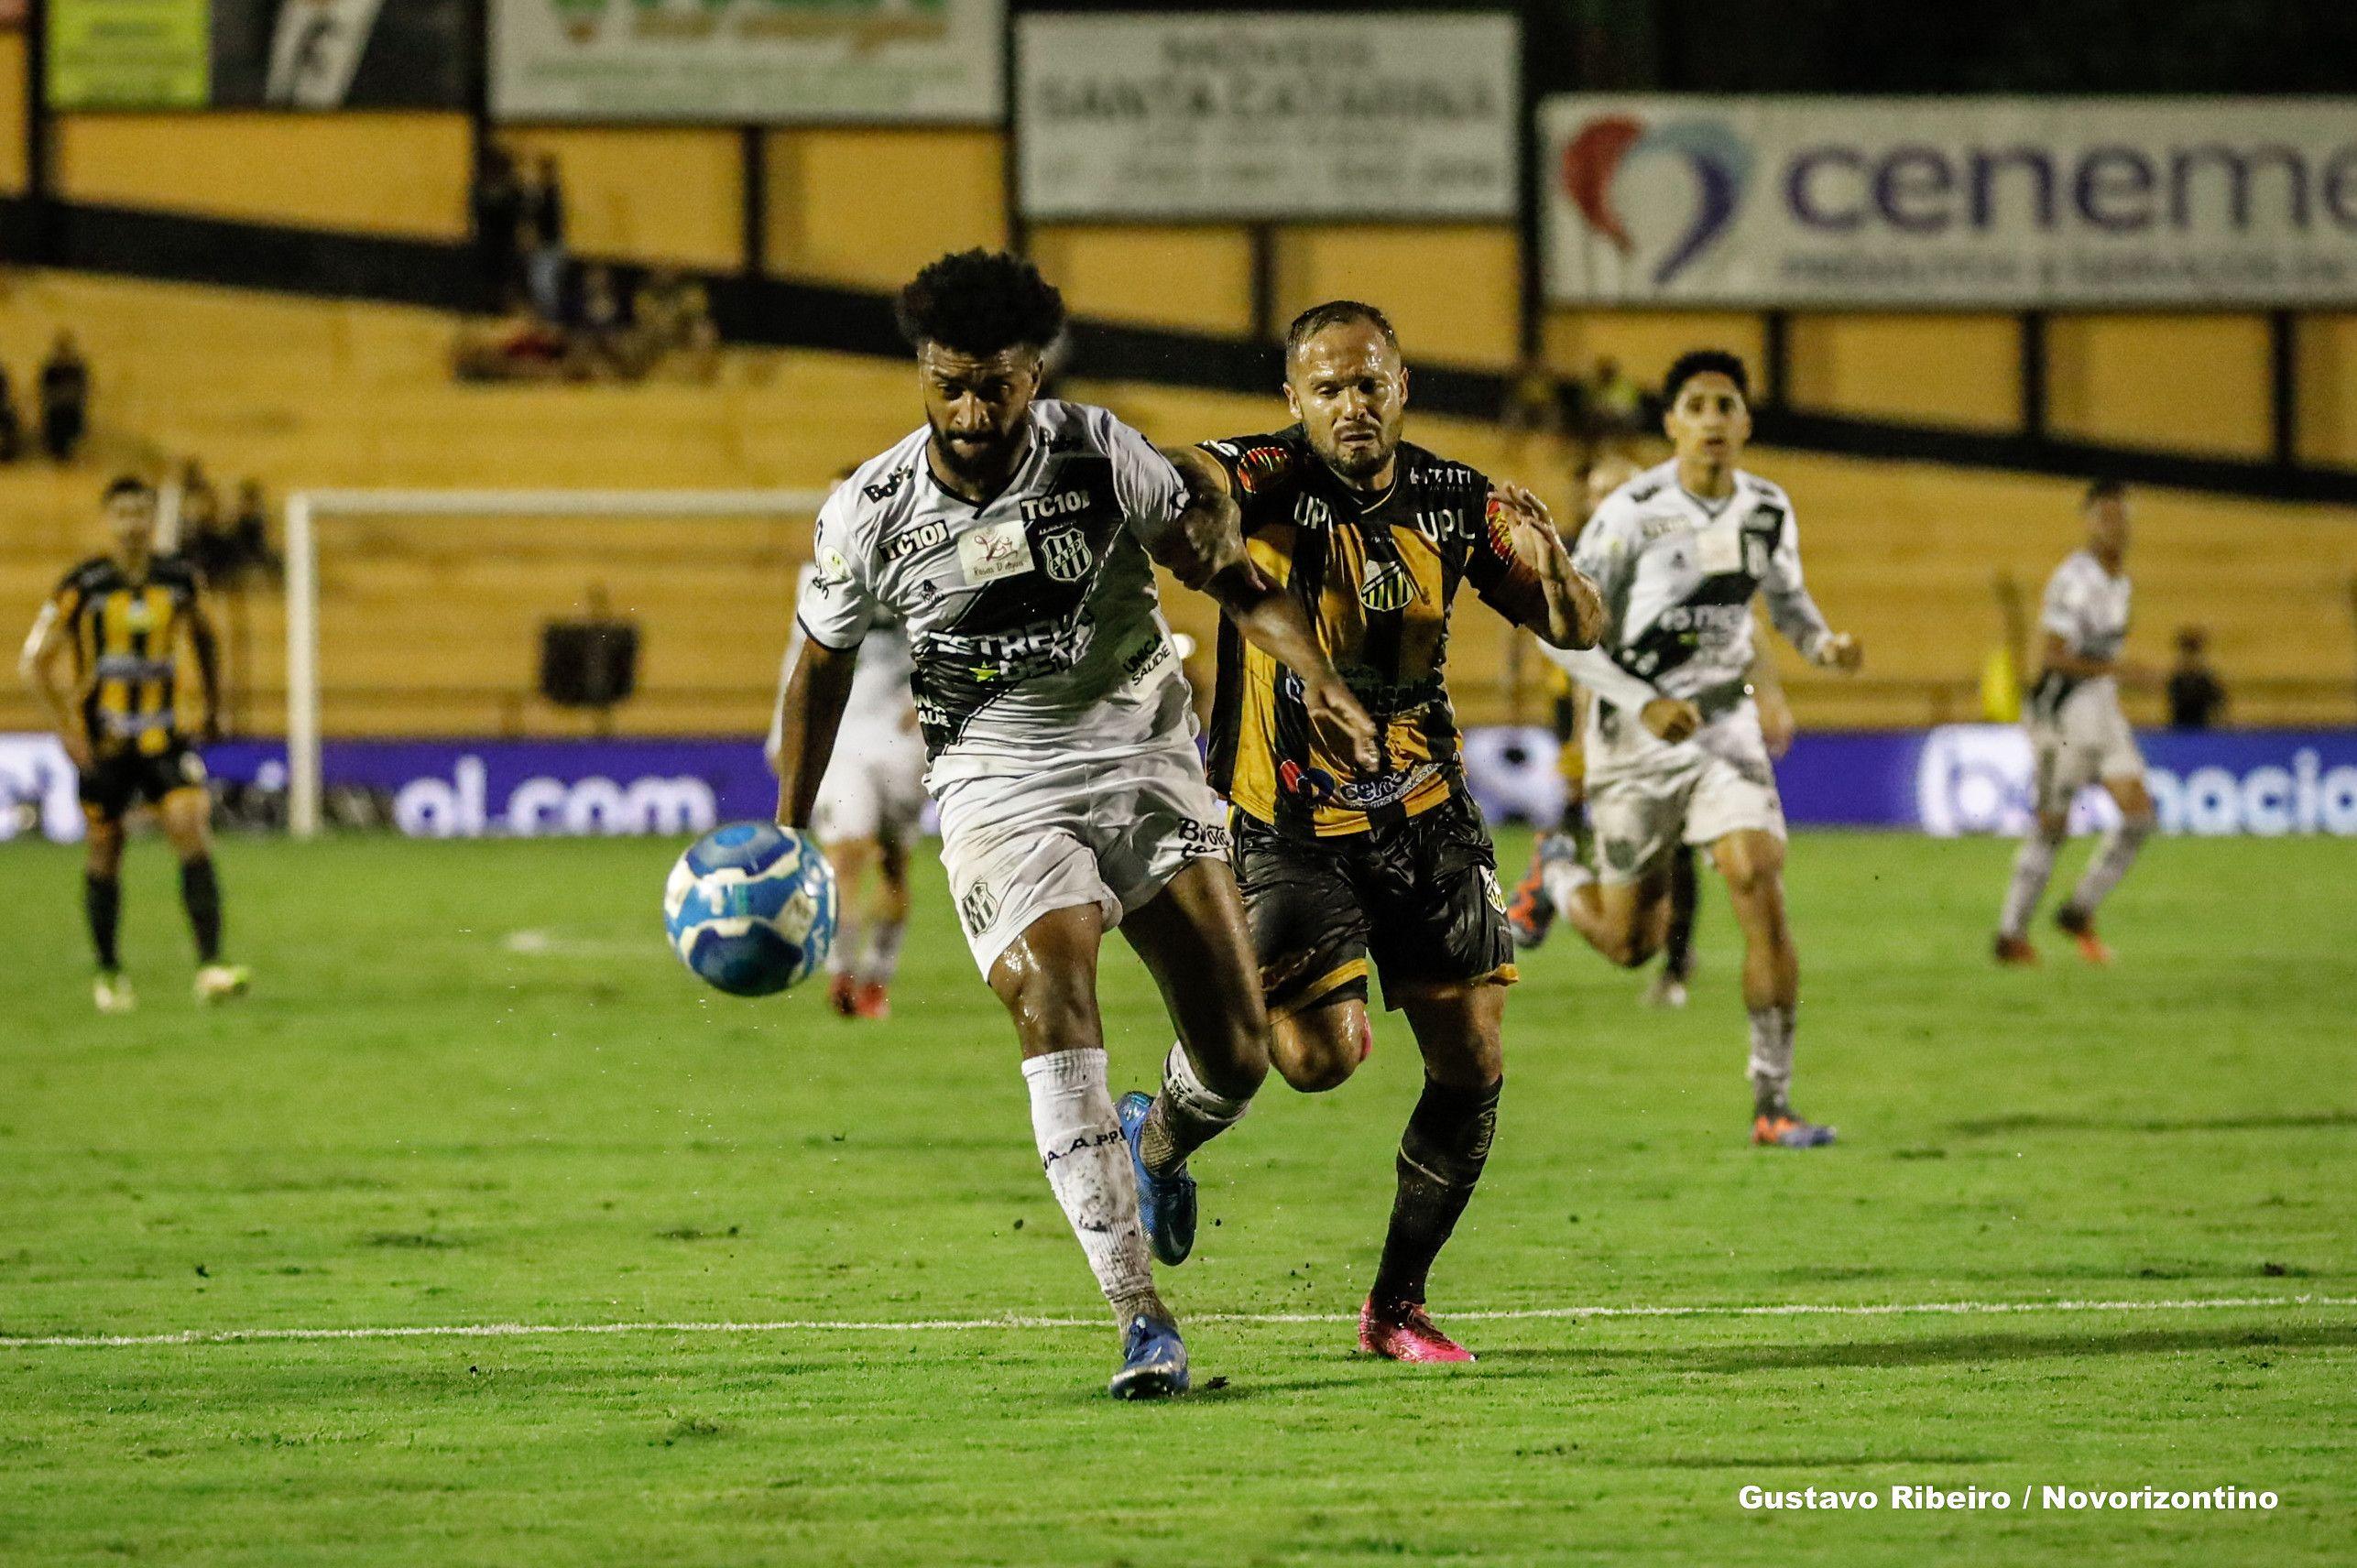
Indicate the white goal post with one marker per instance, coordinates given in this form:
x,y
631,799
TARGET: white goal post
x,y
307,509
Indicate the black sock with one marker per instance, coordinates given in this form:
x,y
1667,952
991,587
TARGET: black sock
x,y
101,900
1441,1156
1678,946
201,894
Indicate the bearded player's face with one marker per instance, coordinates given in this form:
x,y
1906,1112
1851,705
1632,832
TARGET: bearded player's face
x,y
1347,388
976,406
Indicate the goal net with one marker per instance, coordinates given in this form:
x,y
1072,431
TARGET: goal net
x,y
442,613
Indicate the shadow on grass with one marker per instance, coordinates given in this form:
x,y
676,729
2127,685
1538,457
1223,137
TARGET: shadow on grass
x,y
2033,1121
1943,1351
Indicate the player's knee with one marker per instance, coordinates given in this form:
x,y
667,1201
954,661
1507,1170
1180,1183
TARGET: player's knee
x,y
1629,948
2054,826
1049,1010
1321,1049
102,851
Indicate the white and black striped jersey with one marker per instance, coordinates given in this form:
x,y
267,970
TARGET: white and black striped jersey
x,y
1034,631
881,682
2086,607
1677,575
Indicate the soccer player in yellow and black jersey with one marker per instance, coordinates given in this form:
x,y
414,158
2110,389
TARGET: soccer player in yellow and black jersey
x,y
1374,536
104,655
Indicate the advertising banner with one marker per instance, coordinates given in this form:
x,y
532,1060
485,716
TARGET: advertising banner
x,y
255,54
747,62
1960,779
1185,116
130,54
1949,201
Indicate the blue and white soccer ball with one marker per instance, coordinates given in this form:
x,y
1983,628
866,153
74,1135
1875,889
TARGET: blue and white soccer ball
x,y
750,907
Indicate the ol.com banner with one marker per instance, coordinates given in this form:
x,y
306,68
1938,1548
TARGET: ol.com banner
x,y
1962,778
2015,202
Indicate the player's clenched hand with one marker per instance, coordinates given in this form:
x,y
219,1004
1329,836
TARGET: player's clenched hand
x,y
1671,718
1842,652
1341,726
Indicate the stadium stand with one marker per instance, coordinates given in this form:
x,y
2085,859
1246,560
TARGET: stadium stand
x,y
432,627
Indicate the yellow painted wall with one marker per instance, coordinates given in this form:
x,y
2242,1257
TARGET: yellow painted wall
x,y
2183,383
869,207
1199,279
391,173
648,194
2328,378
1930,370
1452,293
15,165
1644,341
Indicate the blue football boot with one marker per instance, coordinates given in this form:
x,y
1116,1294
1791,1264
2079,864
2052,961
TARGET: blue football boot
x,y
1153,1362
1165,1204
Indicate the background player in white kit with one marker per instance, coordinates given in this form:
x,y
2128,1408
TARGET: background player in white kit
x,y
1674,747
869,809
2079,735
1010,535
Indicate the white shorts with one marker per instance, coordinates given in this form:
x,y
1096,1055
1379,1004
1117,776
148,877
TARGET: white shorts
x,y
1646,796
1109,832
2086,742
874,788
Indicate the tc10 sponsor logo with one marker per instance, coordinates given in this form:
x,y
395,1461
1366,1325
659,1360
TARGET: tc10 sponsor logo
x,y
1975,779
459,806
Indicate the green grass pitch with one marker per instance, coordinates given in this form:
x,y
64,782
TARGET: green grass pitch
x,y
410,1123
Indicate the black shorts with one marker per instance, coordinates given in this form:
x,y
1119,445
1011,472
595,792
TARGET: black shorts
x,y
113,784
1419,897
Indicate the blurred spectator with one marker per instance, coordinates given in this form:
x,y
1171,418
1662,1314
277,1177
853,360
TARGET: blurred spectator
x,y
12,427
674,326
2197,699
1614,404
65,400
547,270
202,539
602,344
1534,403
521,346
249,535
496,202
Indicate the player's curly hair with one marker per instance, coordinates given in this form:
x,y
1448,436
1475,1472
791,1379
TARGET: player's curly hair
x,y
980,302
1705,362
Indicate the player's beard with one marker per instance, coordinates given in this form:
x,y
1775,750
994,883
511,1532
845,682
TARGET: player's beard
x,y
978,461
1363,460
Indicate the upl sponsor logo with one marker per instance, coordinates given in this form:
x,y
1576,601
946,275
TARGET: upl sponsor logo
x,y
1903,188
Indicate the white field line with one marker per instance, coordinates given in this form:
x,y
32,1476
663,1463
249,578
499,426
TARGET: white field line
x,y
928,1325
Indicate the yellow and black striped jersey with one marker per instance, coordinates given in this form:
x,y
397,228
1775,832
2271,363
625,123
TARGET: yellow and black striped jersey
x,y
1377,576
125,633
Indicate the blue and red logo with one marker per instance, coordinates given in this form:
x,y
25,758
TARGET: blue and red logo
x,y
1718,158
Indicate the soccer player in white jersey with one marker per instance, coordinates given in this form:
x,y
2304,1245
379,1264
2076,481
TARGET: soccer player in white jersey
x,y
2079,735
868,812
1674,746
1011,534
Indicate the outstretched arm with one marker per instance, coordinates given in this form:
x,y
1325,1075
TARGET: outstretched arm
x,y
809,712
1795,612
1206,551
1570,614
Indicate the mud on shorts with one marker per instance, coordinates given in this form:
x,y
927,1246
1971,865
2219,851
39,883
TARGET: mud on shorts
x,y
113,784
1419,897
1108,831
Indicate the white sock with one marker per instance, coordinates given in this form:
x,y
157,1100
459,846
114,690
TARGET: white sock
x,y
1772,1058
2113,855
841,958
1563,877
1190,1115
2033,865
1087,1164
883,959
